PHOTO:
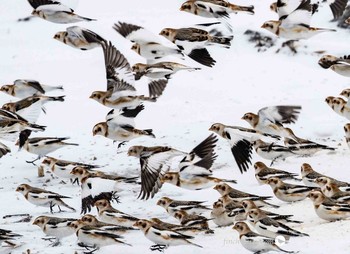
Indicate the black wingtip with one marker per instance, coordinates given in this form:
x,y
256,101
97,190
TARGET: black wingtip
x,y
202,56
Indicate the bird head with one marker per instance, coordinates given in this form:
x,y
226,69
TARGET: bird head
x,y
100,129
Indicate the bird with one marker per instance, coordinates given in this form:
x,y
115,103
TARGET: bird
x,y
263,173
55,226
347,134
161,237
240,140
93,237
191,219
271,228
272,151
23,88
323,181
191,207
339,106
270,119
236,195
108,214
309,175
179,228
254,242
305,147
55,12
346,93
327,209
79,38
219,9
153,51
288,192
154,162
7,236
42,146
331,190
159,70
340,65
220,216
194,183
30,107
41,197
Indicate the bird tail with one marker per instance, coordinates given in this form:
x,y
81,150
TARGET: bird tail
x,y
148,132
36,127
59,202
145,98
226,41
229,181
237,8
197,245
71,144
285,251
87,19
56,98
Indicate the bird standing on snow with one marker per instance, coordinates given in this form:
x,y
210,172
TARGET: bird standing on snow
x,y
191,207
340,65
263,173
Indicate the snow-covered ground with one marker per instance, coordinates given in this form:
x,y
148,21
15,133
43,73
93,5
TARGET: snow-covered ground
x,y
243,80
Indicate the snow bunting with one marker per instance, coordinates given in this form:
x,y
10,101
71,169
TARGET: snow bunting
x,y
55,226
109,214
331,190
236,195
154,163
153,51
192,220
346,93
6,236
42,146
41,197
272,151
263,173
159,70
305,147
55,12
79,38
93,237
288,192
254,242
240,140
340,65
234,209
220,216
161,237
179,228
328,209
270,119
91,220
193,183
30,107
270,227
191,207
347,133
339,106
23,88
214,8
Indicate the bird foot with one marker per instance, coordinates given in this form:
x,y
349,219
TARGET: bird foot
x,y
121,144
158,247
88,248
116,198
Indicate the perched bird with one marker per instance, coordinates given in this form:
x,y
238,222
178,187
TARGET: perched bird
x,y
272,151
191,219
191,207
214,8
159,70
240,140
331,190
271,228
30,107
346,93
232,194
309,175
327,209
339,106
161,237
288,192
41,197
93,237
79,38
340,65
42,146
154,163
347,133
263,173
270,119
254,242
91,220
55,226
109,214
305,147
23,88
220,216
55,12
194,183
179,228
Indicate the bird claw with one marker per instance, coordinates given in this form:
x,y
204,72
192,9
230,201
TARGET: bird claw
x,y
121,144
88,247
116,198
158,247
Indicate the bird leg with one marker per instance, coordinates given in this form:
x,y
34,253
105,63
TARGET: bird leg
x,y
51,207
55,242
158,247
88,247
32,162
122,143
76,180
290,45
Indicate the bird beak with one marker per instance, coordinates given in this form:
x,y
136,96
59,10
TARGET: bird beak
x,y
215,187
90,97
135,224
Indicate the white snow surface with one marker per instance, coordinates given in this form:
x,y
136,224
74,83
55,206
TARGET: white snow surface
x,y
243,80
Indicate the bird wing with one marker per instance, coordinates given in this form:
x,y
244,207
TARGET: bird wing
x,y
157,87
36,3
338,8
300,16
216,10
279,114
135,33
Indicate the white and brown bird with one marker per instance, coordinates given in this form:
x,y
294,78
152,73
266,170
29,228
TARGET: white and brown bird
x,y
347,134
327,209
346,94
331,190
23,88
240,140
304,147
220,216
288,192
270,119
41,197
161,237
192,220
155,162
254,242
191,207
7,237
55,226
79,38
179,228
55,12
263,173
323,181
340,65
